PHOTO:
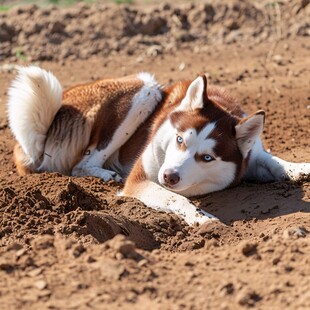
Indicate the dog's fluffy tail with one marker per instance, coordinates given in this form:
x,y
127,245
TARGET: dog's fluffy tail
x,y
34,99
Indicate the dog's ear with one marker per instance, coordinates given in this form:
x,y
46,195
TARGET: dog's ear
x,y
248,130
196,95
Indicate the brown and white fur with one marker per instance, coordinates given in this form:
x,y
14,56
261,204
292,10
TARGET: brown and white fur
x,y
185,140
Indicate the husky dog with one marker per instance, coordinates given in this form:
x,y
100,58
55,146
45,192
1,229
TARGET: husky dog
x,y
168,143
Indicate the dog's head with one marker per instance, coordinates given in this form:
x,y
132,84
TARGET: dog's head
x,y
211,146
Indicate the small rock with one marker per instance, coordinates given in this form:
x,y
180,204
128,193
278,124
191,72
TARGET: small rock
x,y
228,289
181,66
123,246
110,268
143,262
56,27
44,293
78,250
7,267
90,259
247,248
34,272
154,50
140,59
279,60
20,252
40,285
8,68
119,256
232,25
43,242
295,232
276,261
248,297
304,30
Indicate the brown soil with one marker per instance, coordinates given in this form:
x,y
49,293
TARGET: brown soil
x,y
71,243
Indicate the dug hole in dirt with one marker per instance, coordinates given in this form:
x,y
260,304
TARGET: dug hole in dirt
x,y
71,243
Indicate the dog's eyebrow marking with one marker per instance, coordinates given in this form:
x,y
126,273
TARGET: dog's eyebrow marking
x,y
207,130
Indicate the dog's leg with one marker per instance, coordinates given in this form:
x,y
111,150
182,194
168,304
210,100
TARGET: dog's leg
x,y
264,167
158,198
92,162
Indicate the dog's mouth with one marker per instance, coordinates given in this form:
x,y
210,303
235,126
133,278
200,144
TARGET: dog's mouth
x,y
176,187
167,185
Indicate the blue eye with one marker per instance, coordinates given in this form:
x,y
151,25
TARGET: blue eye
x,y
208,158
179,139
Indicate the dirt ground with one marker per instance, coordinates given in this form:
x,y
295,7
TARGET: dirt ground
x,y
71,243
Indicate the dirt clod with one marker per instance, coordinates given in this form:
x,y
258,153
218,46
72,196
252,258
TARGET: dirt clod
x,y
248,248
248,298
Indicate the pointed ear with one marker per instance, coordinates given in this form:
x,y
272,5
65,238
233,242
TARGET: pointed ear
x,y
248,130
196,95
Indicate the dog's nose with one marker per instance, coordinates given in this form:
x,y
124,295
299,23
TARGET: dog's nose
x,y
171,177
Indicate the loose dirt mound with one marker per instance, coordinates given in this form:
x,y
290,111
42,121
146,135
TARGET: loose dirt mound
x,y
72,243
82,31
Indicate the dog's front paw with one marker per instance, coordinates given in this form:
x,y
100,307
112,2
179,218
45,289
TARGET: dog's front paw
x,y
199,217
104,174
297,171
111,176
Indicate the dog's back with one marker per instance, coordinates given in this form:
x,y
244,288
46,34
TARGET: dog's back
x,y
56,131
